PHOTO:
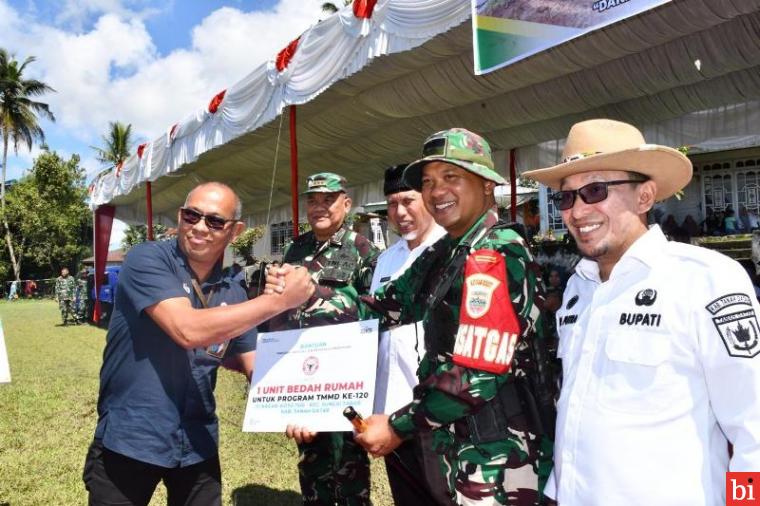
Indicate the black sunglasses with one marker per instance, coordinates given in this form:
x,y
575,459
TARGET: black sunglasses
x,y
590,193
192,217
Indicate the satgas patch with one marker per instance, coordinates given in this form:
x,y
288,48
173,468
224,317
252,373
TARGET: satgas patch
x,y
737,327
570,303
488,326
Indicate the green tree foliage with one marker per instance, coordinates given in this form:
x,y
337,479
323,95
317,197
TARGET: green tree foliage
x,y
135,234
18,111
117,144
50,224
332,7
18,124
243,245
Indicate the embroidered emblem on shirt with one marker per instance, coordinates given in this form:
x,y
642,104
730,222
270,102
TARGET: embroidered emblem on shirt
x,y
725,301
573,300
385,278
568,319
187,288
646,297
739,330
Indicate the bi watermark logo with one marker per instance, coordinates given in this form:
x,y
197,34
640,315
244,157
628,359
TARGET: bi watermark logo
x,y
742,489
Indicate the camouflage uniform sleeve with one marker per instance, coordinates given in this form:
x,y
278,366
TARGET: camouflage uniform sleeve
x,y
451,392
400,301
366,267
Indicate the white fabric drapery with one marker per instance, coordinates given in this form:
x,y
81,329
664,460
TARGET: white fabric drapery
x,y
327,52
393,79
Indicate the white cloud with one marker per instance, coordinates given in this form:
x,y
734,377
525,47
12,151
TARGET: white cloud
x,y
118,229
75,13
114,72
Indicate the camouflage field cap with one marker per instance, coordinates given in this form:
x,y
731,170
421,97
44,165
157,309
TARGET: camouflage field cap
x,y
460,147
325,182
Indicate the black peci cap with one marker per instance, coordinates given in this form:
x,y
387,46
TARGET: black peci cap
x,y
394,180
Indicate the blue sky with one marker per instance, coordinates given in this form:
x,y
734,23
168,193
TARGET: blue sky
x,y
148,63
145,62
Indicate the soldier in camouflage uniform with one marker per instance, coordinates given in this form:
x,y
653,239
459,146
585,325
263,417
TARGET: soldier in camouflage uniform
x,y
483,411
81,297
332,467
65,286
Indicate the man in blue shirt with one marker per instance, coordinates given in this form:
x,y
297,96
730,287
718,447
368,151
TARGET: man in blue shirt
x,y
176,318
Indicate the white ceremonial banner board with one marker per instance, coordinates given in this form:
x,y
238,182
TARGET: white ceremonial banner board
x,y
5,370
308,376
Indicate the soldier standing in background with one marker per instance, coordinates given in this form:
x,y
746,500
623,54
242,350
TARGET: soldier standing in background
x,y
332,467
81,297
65,287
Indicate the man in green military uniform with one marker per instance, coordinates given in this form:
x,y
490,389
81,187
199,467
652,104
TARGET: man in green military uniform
x,y
332,467
65,286
81,297
483,411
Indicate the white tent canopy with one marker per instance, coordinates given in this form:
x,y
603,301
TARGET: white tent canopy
x,y
370,90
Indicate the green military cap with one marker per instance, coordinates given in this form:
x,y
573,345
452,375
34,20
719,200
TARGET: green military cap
x,y
325,182
460,147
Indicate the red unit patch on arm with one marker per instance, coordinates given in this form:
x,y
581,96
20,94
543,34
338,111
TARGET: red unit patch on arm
x,y
488,326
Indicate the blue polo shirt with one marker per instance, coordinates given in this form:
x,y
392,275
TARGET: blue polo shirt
x,y
156,401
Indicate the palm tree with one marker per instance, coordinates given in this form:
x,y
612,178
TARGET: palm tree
x,y
19,122
331,8
18,111
117,144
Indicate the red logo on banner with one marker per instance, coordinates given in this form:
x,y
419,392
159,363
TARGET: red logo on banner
x,y
488,326
742,489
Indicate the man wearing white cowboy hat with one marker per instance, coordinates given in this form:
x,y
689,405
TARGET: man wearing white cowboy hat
x,y
658,340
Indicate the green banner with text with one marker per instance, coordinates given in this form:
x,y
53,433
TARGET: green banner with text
x,y
505,31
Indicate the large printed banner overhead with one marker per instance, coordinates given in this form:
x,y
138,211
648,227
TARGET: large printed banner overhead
x,y
505,31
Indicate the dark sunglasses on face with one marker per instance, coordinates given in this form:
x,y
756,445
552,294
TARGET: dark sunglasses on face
x,y
591,193
192,217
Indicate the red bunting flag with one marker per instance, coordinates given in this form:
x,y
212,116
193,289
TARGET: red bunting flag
x,y
285,55
363,8
141,149
213,106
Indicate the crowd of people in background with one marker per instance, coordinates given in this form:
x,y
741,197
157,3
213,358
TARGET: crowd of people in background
x,y
727,222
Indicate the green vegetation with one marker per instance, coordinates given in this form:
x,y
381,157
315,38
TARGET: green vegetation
x,y
243,245
135,234
48,414
19,124
117,144
50,225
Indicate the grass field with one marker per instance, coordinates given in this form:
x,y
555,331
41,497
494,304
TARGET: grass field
x,y
47,418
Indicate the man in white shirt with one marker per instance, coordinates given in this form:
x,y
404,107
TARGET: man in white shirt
x,y
658,340
398,357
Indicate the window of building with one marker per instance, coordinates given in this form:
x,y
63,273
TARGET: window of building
x,y
281,234
734,184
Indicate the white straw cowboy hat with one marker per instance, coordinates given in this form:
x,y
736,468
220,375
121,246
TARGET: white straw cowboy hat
x,y
604,144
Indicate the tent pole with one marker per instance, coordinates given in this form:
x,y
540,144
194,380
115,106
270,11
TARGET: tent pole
x,y
149,205
512,185
293,168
